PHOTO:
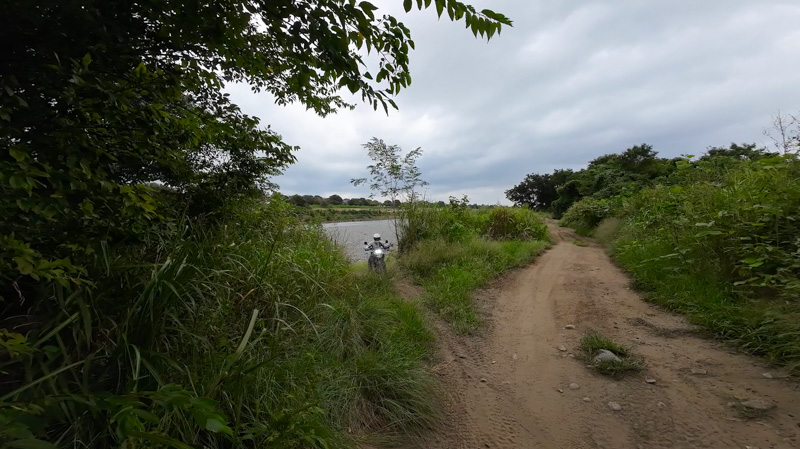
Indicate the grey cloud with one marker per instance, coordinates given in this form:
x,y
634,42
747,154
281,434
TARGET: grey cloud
x,y
572,80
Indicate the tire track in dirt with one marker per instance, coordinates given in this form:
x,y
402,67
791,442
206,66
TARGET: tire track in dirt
x,y
501,388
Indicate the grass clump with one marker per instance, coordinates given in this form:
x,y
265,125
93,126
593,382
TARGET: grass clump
x,y
627,362
451,253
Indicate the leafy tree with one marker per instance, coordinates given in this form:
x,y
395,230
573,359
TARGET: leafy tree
x,y
747,151
297,200
391,173
535,191
335,200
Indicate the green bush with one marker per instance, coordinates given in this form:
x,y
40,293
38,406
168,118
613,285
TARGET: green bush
x,y
518,223
254,331
586,214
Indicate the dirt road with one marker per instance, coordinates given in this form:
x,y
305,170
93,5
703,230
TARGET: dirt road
x,y
510,387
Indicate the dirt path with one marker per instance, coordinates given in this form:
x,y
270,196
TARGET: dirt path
x,y
502,387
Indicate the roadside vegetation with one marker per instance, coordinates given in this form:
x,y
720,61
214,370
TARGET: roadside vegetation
x,y
454,250
716,238
252,330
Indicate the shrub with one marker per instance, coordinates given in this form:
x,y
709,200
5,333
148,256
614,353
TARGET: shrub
x,y
506,223
586,214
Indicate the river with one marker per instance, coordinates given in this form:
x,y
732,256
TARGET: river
x,y
351,235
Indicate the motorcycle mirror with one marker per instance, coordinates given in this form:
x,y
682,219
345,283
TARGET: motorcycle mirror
x,y
365,243
387,241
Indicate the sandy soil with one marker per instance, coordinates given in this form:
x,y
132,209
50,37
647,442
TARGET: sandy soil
x,y
510,386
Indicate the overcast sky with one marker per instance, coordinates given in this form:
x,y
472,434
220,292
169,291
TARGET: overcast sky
x,y
573,79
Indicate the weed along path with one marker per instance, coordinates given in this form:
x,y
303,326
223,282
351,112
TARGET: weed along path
x,y
521,383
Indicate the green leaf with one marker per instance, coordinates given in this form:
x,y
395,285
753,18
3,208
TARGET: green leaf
x,y
31,443
439,7
87,59
407,5
217,426
368,9
17,154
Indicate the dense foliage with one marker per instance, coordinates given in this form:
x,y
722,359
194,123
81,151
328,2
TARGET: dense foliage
x,y
607,176
717,238
147,299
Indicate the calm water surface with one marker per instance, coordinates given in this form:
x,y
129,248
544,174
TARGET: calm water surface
x,y
351,235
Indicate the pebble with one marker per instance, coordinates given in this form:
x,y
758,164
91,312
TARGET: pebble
x,y
486,444
514,356
574,386
560,390
661,405
614,406
483,379
494,361
569,326
767,376
758,404
699,371
587,399
562,348
650,380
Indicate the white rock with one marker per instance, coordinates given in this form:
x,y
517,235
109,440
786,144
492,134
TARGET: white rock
x,y
560,390
758,404
562,348
569,326
605,355
483,380
767,376
587,399
574,386
699,371
650,380
614,406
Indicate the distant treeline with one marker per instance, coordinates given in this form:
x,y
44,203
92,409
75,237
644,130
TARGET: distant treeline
x,y
336,200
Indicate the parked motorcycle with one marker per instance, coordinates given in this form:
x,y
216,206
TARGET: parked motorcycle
x,y
377,254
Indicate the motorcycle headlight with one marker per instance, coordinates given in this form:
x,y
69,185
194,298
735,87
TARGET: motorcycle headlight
x,y
378,252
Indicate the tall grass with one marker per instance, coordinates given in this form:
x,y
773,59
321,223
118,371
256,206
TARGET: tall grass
x,y
252,333
452,251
